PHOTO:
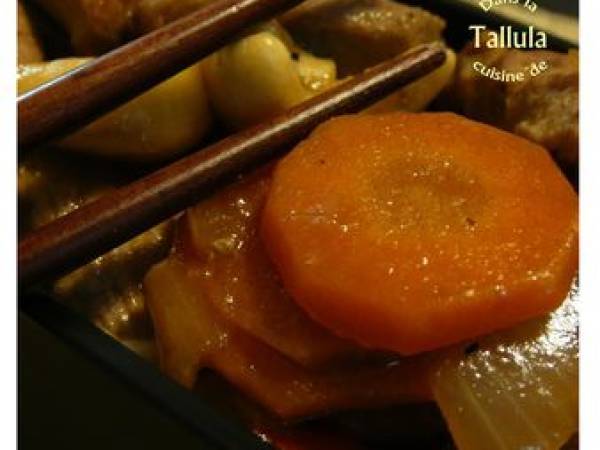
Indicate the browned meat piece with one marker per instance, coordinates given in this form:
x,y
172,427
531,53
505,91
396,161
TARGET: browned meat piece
x,y
360,33
28,47
95,26
542,108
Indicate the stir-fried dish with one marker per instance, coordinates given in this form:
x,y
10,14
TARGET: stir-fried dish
x,y
405,276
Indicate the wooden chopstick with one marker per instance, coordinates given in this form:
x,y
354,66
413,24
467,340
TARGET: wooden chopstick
x,y
101,225
80,96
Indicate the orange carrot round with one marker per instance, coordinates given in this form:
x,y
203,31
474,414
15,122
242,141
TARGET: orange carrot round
x,y
409,232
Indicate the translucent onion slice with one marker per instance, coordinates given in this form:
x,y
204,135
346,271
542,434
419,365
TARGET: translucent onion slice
x,y
516,389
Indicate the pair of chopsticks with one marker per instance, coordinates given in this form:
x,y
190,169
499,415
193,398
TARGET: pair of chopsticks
x,y
111,220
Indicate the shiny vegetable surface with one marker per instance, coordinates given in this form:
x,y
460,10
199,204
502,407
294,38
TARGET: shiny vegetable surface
x,y
220,235
515,389
262,75
410,232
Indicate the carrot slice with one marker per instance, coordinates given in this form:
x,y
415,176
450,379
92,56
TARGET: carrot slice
x,y
409,232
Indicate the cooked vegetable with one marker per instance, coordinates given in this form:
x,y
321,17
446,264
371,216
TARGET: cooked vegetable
x,y
516,389
409,232
164,122
220,235
318,286
192,335
216,303
259,76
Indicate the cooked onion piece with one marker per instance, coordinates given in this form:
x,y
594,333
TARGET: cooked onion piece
x,y
260,76
519,389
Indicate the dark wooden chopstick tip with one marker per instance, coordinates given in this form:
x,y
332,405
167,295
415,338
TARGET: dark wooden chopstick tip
x,y
114,218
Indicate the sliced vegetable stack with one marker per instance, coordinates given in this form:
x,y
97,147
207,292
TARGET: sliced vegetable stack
x,y
217,303
401,234
410,232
